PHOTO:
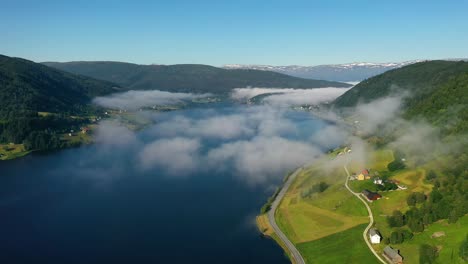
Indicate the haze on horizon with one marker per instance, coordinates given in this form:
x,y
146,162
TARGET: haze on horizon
x,y
240,32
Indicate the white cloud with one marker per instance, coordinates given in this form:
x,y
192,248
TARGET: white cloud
x,y
133,100
289,96
262,158
178,156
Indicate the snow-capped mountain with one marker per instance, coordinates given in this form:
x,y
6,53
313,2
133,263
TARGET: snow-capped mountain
x,y
349,72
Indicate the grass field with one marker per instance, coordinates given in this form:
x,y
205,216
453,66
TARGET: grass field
x,y
313,217
379,159
12,151
347,246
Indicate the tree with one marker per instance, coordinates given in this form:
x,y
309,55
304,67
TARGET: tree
x,y
427,254
431,175
463,252
411,200
453,217
397,219
416,225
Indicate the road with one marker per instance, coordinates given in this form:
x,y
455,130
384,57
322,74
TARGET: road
x,y
271,218
371,217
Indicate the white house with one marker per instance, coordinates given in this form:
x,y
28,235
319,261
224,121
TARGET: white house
x,y
378,181
374,236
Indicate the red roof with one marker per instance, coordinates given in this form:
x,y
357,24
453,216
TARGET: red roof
x,y
365,172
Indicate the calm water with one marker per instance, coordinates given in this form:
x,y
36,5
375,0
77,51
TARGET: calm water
x,y
86,205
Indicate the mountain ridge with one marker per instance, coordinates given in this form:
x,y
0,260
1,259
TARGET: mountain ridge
x,y
198,78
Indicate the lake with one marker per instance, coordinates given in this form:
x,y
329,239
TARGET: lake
x,y
122,201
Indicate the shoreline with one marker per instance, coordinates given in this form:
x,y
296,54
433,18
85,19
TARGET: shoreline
x,y
267,225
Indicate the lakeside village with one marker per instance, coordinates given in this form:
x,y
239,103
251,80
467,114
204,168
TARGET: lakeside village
x,y
383,185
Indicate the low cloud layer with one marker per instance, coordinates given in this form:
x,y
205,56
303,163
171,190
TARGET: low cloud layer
x,y
260,143
285,97
258,159
177,156
133,100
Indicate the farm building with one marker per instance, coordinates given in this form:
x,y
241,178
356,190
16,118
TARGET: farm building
x,y
374,236
364,175
392,255
371,196
378,181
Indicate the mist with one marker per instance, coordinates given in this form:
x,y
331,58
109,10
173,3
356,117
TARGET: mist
x,y
134,100
289,96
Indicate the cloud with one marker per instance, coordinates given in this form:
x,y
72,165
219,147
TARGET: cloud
x,y
114,134
378,112
330,136
262,158
244,123
178,156
133,100
289,96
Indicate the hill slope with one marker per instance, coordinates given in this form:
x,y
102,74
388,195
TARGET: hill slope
x,y
26,86
438,91
186,77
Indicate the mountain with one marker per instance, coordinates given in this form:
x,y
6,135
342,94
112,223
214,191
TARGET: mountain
x,y
186,77
350,72
436,90
27,87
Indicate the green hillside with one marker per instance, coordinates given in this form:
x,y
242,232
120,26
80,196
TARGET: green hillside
x,y
435,90
27,87
186,77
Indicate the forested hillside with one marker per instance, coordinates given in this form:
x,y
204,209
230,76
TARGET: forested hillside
x,y
27,88
435,90
187,77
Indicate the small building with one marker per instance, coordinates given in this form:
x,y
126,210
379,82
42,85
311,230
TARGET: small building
x,y
392,255
378,181
371,196
374,236
85,130
364,175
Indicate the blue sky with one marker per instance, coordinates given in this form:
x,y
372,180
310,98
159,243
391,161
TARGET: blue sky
x,y
224,32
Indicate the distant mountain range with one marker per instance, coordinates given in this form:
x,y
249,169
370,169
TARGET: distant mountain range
x,y
195,78
350,72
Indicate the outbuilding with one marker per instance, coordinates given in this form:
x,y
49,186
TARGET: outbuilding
x,y
374,236
392,255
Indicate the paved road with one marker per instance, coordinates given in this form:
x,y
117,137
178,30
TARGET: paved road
x,y
371,217
271,218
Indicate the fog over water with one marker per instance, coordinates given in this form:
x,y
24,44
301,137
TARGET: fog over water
x,y
192,182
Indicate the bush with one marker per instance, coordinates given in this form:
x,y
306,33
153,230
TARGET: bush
x,y
396,220
427,254
316,188
397,164
463,253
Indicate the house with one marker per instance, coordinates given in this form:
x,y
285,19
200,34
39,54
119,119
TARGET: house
x,y
371,196
364,175
378,181
374,236
392,255
84,130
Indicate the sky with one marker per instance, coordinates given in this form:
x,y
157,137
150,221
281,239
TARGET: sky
x,y
234,32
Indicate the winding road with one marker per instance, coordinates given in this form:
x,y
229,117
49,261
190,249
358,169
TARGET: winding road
x,y
271,218
371,217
